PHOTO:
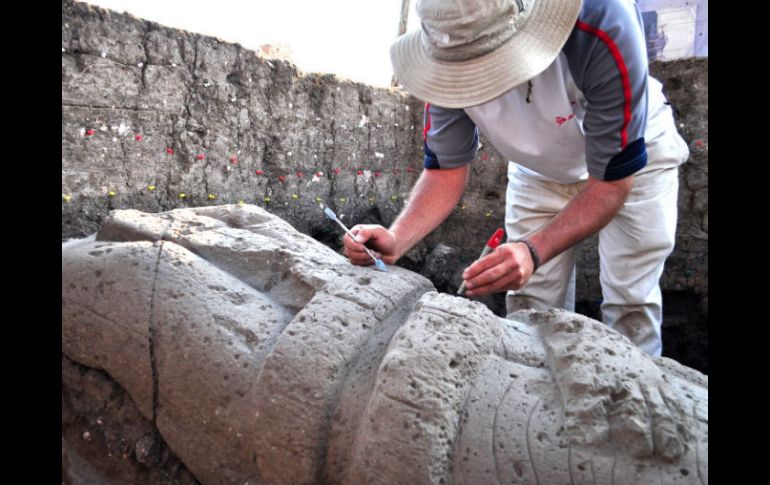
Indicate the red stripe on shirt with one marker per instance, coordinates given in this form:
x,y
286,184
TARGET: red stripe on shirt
x,y
427,123
604,37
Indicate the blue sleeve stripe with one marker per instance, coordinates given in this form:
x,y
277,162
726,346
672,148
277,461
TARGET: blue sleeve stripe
x,y
632,159
431,160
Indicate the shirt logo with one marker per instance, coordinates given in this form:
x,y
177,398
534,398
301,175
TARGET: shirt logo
x,y
560,120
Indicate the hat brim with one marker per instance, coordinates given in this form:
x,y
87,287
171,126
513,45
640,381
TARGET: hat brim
x,y
475,81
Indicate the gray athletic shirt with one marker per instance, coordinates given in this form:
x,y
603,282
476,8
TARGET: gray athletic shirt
x,y
588,113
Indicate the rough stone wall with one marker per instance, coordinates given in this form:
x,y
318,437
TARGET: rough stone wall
x,y
686,86
208,101
123,77
150,113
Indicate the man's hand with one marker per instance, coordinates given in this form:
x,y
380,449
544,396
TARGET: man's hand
x,y
509,267
432,199
380,240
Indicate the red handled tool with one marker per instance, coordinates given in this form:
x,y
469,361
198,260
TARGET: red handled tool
x,y
492,244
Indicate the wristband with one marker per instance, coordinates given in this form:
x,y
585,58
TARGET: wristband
x,y
532,252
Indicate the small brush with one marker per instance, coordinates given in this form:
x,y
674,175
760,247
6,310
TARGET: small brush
x,y
378,263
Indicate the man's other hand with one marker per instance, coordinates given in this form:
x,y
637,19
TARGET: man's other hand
x,y
509,267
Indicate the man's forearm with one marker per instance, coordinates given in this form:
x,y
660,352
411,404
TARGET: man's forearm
x,y
587,213
432,199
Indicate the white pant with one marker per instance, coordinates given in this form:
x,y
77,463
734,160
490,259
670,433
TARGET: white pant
x,y
632,247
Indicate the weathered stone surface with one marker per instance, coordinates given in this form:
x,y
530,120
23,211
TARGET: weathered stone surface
x,y
261,355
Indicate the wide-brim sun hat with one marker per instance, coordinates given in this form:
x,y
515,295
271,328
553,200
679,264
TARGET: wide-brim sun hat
x,y
469,52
